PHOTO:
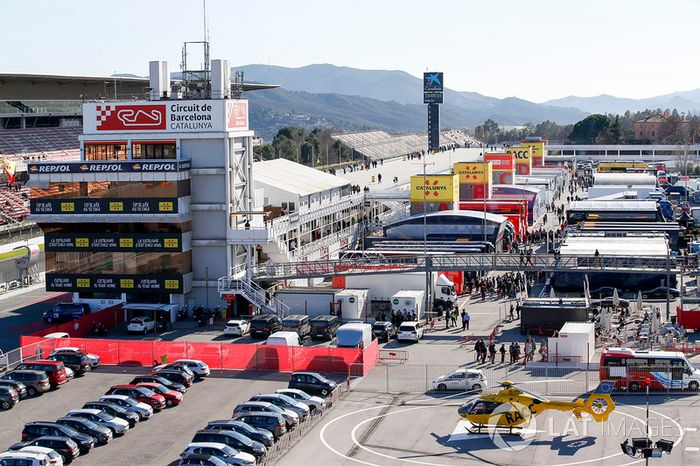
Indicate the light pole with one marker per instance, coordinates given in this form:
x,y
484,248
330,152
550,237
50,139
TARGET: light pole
x,y
425,236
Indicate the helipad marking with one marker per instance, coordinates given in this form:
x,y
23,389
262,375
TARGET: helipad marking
x,y
460,433
692,449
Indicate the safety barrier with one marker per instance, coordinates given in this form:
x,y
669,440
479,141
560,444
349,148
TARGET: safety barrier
x,y
109,317
346,361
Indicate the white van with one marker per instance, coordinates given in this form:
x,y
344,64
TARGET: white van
x,y
412,331
283,339
354,335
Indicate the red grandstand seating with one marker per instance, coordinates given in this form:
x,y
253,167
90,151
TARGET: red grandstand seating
x,y
40,143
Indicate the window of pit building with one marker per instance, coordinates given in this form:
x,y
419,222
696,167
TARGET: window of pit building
x,y
289,206
150,150
109,150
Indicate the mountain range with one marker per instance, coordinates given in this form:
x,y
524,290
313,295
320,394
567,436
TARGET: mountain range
x,y
687,101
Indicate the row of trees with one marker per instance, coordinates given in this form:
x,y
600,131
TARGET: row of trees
x,y
676,128
312,148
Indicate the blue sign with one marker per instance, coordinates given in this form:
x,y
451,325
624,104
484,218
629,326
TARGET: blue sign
x,y
432,81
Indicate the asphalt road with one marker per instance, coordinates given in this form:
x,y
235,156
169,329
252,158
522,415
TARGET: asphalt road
x,y
20,313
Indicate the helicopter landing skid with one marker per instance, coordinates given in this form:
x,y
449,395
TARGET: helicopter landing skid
x,y
506,429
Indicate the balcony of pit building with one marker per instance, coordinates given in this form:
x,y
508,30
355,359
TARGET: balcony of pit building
x,y
299,213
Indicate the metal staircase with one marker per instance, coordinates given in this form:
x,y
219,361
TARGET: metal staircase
x,y
254,293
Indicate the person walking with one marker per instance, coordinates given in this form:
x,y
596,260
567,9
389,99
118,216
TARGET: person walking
x,y
492,352
477,350
527,350
502,350
464,324
465,320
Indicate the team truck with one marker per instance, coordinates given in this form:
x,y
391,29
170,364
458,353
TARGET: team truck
x,y
383,287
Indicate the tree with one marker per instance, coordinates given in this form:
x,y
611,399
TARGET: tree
x,y
588,130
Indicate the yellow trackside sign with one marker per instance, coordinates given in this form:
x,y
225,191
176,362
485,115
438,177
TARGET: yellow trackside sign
x,y
538,151
434,188
474,172
522,154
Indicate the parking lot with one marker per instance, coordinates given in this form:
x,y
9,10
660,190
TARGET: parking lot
x,y
157,441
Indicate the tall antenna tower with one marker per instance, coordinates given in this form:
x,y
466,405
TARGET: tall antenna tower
x,y
196,82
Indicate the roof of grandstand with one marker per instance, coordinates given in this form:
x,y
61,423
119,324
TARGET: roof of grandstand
x,y
376,145
292,177
40,143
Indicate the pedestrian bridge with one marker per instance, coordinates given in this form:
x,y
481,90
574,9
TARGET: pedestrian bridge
x,y
473,262
644,152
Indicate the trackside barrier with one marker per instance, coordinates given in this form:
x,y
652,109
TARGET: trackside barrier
x,y
346,361
109,317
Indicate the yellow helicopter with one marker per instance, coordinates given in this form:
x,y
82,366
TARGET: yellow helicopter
x,y
512,407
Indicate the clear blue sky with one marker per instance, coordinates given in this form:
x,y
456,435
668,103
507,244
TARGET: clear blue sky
x,y
537,49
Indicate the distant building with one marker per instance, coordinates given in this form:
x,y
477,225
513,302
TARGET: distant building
x,y
648,130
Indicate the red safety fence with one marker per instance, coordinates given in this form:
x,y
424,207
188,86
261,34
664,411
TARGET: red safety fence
x,y
109,317
231,356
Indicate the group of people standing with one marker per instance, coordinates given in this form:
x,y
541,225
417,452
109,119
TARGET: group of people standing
x,y
515,351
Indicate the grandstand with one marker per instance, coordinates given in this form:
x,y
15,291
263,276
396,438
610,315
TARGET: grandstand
x,y
40,144
375,145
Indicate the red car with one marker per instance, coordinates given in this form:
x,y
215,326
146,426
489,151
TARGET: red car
x,y
140,394
172,397
54,369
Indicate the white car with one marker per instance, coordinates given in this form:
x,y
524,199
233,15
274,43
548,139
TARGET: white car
x,y
237,327
117,425
228,454
315,403
142,409
93,358
55,459
199,368
141,325
461,379
24,458
412,331
70,373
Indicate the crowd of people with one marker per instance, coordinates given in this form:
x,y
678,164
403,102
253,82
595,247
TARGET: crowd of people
x,y
515,351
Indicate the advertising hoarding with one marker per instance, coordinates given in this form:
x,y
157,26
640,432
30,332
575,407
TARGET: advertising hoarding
x,y
122,242
434,188
473,172
103,206
114,283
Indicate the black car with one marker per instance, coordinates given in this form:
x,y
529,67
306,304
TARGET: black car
x,y
660,293
178,387
383,330
79,363
272,422
8,398
259,435
604,292
64,446
233,440
176,376
65,312
608,302
35,430
19,387
203,460
324,327
102,434
312,383
115,410
297,323
264,325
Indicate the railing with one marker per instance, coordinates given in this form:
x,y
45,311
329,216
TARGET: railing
x,y
254,293
474,262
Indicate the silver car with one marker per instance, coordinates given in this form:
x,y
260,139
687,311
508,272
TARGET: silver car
x,y
284,402
316,403
117,425
291,418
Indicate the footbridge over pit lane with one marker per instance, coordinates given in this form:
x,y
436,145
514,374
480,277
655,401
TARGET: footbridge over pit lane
x,y
474,262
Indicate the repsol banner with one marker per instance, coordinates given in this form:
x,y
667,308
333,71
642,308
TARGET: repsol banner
x,y
124,242
103,206
114,283
132,166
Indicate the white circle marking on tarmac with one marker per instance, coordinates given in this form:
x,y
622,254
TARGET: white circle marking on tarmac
x,y
360,424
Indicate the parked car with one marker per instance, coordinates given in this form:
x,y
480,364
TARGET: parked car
x,y
62,445
175,376
11,458
604,292
272,422
284,402
203,460
8,398
70,375
383,330
312,383
608,302
39,429
660,293
54,458
102,434
297,323
93,358
140,394
324,327
200,369
232,439
461,379
237,327
225,453
78,363
19,387
174,366
315,403
117,425
283,338
290,417
264,325
144,410
410,331
115,410
172,397
56,370
141,325
65,312
158,379
259,435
